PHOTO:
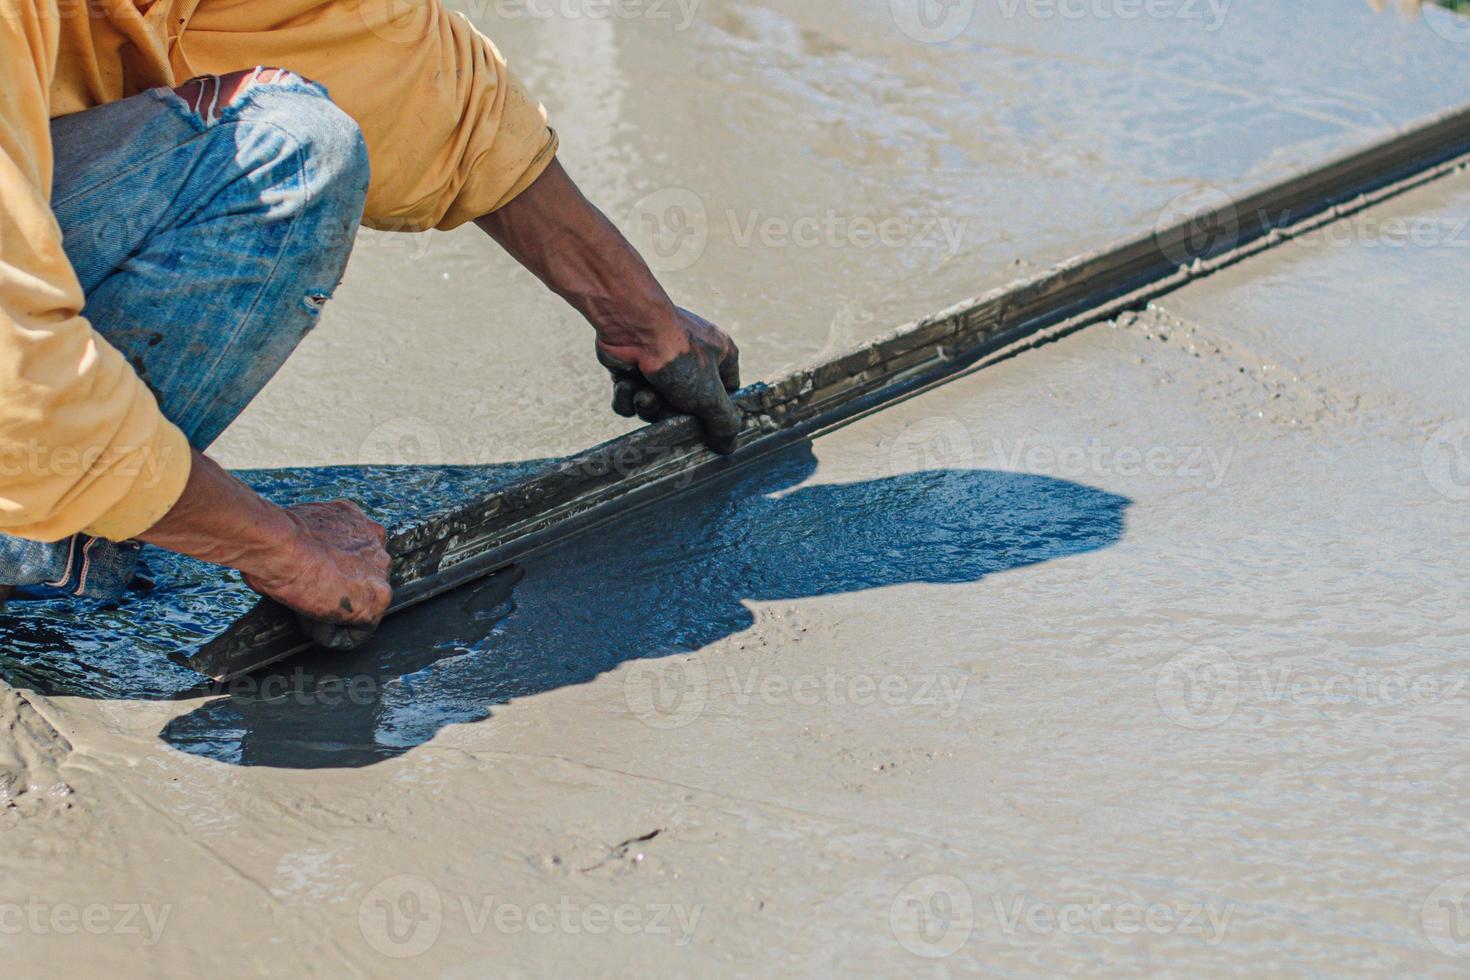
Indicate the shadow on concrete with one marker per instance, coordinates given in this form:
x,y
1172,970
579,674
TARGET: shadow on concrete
x,y
663,582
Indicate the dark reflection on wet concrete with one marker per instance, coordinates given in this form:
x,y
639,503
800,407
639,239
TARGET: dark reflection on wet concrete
x,y
668,580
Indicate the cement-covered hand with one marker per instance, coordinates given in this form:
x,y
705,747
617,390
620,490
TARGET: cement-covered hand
x,y
333,572
695,373
327,561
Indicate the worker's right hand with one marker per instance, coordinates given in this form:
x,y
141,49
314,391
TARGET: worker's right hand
x,y
328,562
333,570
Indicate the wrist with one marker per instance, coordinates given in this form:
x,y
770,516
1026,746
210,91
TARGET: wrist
x,y
274,541
221,520
655,335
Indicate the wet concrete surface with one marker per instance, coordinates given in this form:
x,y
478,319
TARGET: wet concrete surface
x,y
1140,652
1143,650
809,174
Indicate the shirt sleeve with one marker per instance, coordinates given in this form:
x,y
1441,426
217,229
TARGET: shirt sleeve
x,y
451,134
83,445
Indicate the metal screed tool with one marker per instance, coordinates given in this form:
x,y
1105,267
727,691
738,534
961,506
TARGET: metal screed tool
x,y
446,550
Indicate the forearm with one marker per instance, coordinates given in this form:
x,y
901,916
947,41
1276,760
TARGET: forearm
x,y
219,519
562,238
661,358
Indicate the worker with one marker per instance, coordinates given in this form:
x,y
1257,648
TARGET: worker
x,y
180,185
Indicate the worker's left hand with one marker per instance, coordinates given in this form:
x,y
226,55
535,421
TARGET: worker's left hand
x,y
692,368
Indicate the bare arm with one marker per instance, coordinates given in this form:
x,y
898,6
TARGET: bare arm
x,y
660,356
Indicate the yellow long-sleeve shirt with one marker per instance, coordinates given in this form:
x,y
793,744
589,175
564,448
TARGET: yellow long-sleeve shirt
x,y
450,134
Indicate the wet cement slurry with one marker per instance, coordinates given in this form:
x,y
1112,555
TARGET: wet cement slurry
x,y
809,173
1142,651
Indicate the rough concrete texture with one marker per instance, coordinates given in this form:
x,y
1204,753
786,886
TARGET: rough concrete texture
x,y
1143,651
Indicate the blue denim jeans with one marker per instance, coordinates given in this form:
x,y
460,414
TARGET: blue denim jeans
x,y
207,241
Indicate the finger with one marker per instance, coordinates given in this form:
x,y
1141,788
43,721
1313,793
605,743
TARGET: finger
x,y
650,406
730,371
614,365
336,636
624,393
722,424
382,563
